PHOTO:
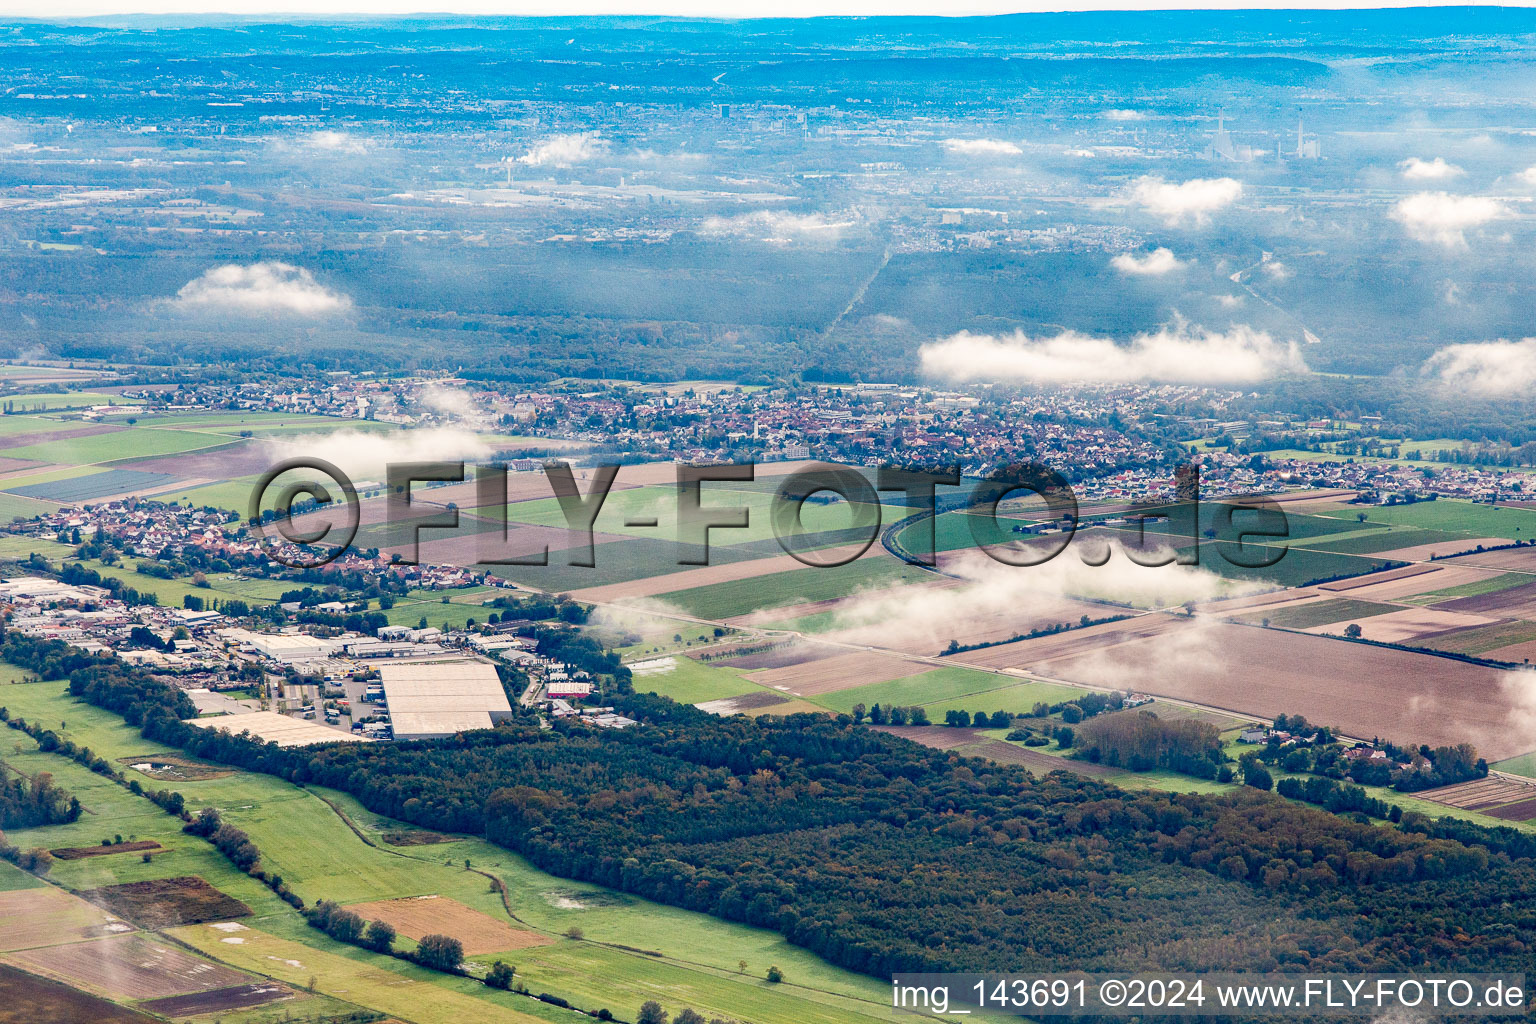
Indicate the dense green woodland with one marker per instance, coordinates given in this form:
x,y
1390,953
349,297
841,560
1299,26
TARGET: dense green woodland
x,y
34,800
883,855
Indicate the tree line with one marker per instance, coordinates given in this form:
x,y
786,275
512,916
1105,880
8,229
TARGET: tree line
x,y
881,855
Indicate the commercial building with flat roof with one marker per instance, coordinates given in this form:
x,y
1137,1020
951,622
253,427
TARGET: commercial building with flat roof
x,y
427,699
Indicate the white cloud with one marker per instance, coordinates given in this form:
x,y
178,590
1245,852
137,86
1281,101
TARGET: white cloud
x,y
565,150
1156,263
1194,200
1437,169
1528,176
1026,593
778,226
268,286
1175,354
1086,154
1489,368
365,456
981,147
1122,114
1445,219
451,403
337,142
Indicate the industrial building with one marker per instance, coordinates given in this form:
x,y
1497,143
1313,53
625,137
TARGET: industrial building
x,y
439,698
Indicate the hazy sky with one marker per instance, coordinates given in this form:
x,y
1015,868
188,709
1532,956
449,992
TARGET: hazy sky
x,y
705,8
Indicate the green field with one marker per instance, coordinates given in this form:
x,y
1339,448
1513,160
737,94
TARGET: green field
x,y
131,443
940,689
1319,613
13,548
14,424
326,845
661,503
1460,517
1524,765
693,681
1481,639
14,506
44,401
1474,589
1369,542
798,586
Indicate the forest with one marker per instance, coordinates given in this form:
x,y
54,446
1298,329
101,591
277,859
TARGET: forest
x,y
28,801
881,855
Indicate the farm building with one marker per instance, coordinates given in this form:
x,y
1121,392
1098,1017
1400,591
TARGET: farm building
x,y
439,698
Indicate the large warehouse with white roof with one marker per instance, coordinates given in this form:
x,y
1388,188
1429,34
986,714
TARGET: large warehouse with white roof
x,y
439,698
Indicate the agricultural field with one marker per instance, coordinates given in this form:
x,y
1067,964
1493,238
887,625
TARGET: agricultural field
x,y
1265,672
26,999
687,680
327,846
1318,613
798,586
50,401
1449,515
940,689
417,916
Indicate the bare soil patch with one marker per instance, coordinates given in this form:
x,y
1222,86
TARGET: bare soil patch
x,y
1364,690
1521,558
839,671
939,737
168,902
41,917
1516,602
1441,549
415,837
778,657
1443,578
26,999
82,852
437,915
1008,753
1407,625
1069,644
126,967
1355,582
220,1000
760,699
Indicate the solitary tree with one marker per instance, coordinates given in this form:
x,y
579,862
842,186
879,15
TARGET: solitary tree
x,y
651,1013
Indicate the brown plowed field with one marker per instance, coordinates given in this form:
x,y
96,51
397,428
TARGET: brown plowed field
x,y
1514,603
25,999
438,915
939,737
1040,764
1379,577
38,917
1521,558
126,967
1363,690
839,671
168,902
1065,645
